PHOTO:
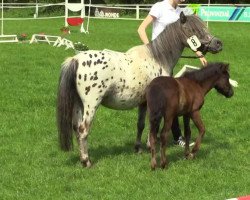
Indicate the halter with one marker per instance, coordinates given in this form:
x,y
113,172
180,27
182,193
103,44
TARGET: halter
x,y
204,51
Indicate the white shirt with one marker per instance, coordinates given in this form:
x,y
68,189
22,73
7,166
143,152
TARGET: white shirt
x,y
165,14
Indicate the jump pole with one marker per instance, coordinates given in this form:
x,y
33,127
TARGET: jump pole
x,y
208,10
83,16
6,38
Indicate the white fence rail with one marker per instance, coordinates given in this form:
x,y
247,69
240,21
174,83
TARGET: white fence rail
x,y
213,12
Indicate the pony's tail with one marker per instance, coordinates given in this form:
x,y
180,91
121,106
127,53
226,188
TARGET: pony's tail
x,y
67,94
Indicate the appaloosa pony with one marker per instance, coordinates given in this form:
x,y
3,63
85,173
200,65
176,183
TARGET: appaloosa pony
x,y
169,97
118,80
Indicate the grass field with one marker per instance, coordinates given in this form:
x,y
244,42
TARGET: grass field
x,y
33,167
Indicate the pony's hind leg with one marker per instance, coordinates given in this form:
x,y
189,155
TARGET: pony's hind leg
x,y
77,117
140,126
83,132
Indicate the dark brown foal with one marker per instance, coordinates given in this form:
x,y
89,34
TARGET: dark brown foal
x,y
168,97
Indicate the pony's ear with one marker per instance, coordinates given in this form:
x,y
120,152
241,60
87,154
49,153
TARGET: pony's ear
x,y
183,18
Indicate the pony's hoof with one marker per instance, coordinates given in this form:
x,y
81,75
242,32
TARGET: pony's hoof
x,y
163,165
86,163
153,166
190,156
148,146
138,149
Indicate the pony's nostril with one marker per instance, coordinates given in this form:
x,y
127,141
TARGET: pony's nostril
x,y
219,43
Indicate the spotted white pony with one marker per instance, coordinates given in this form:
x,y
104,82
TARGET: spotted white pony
x,y
118,80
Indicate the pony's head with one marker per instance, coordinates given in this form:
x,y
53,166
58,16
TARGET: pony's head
x,y
223,85
192,25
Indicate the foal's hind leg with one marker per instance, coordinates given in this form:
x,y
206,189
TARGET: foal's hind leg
x,y
199,124
164,135
140,126
187,134
155,120
153,142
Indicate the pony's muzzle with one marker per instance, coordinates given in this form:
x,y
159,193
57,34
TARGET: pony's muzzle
x,y
215,45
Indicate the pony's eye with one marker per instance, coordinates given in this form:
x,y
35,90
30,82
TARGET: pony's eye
x,y
209,37
189,32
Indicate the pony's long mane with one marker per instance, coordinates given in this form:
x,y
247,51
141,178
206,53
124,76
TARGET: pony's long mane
x,y
168,44
210,70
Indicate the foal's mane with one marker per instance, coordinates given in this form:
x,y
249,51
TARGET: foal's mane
x,y
168,45
210,70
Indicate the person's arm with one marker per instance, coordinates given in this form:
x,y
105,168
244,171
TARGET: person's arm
x,y
142,29
202,58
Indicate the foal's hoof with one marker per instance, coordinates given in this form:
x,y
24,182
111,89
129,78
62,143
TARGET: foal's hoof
x,y
86,163
190,156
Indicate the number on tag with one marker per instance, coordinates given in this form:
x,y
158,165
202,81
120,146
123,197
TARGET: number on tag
x,y
194,42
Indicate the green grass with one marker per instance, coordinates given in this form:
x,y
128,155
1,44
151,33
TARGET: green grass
x,y
33,167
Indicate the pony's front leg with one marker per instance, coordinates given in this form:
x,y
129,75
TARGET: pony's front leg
x,y
187,135
140,126
200,126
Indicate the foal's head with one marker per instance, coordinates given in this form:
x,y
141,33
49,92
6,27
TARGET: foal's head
x,y
215,73
223,85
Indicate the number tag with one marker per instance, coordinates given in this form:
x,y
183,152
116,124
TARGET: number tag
x,y
194,42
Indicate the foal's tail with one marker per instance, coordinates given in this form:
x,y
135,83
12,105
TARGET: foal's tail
x,y
67,94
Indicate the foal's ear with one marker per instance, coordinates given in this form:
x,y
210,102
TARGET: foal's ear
x,y
225,66
183,18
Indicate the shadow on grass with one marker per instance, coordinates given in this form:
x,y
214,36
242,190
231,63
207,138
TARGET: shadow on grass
x,y
174,153
102,151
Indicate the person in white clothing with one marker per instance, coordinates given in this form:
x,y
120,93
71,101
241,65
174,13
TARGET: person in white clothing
x,y
161,14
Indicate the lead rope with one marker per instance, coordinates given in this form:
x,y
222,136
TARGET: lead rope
x,y
193,57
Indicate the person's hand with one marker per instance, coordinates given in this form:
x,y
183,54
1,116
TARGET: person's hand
x,y
203,60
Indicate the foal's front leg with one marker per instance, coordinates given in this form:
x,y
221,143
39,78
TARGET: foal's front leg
x,y
199,124
140,126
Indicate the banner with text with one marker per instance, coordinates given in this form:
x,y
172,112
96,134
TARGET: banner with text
x,y
222,13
